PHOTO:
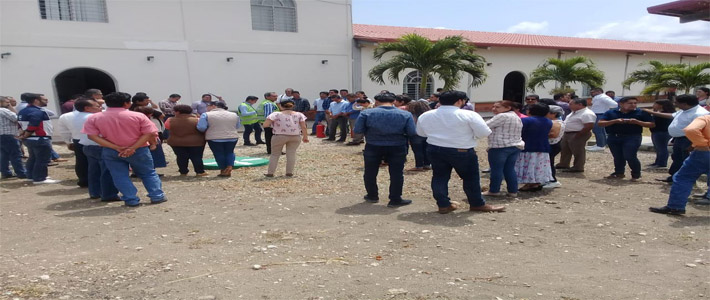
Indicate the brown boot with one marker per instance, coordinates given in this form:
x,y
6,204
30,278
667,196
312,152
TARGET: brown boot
x,y
221,173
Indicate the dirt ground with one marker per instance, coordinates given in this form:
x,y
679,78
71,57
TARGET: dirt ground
x,y
313,237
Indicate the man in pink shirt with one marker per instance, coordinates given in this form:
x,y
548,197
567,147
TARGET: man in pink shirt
x,y
124,135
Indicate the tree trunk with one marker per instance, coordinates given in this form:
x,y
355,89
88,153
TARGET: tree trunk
x,y
422,85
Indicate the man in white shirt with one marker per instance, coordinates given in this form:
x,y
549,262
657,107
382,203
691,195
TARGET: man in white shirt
x,y
578,127
70,135
99,181
600,104
689,110
451,133
287,95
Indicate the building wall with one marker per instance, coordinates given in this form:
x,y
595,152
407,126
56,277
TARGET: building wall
x,y
504,60
190,42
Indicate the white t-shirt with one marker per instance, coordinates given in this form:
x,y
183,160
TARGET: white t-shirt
x,y
601,103
575,121
452,127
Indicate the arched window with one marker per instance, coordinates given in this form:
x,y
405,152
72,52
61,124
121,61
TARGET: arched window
x,y
274,15
412,83
73,10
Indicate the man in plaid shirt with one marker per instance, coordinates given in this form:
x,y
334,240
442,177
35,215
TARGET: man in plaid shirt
x,y
9,145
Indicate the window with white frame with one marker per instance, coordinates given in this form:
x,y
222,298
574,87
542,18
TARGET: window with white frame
x,y
586,90
74,10
413,81
274,15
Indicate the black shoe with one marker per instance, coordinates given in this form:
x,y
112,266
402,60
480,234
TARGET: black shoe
x,y
260,143
371,199
667,210
399,203
572,171
94,197
668,179
134,205
561,168
341,141
250,144
165,199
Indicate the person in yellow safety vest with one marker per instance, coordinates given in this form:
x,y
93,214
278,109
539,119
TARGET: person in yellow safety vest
x,y
263,109
250,120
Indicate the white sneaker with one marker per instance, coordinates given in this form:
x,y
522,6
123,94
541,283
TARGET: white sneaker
x,y
47,181
552,185
595,149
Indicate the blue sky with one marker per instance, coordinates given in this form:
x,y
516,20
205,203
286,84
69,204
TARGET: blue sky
x,y
606,19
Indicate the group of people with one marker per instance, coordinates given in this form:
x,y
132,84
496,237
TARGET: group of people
x,y
120,134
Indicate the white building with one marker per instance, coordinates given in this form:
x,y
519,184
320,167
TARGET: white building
x,y
229,48
239,48
511,57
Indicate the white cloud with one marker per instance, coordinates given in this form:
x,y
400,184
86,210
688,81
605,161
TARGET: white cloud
x,y
651,28
528,27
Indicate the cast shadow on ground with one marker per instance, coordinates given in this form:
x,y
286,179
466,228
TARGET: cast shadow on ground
x,y
366,209
562,174
455,219
64,192
689,221
14,184
626,182
84,203
107,210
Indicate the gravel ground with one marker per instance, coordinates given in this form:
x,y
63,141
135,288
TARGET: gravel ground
x,y
312,237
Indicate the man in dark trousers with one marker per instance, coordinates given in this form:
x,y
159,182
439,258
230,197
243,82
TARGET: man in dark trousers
x,y
387,131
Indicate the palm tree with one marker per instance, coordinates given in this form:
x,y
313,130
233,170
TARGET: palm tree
x,y
447,58
682,77
650,77
578,69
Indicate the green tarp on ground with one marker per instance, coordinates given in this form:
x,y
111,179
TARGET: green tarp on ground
x,y
239,162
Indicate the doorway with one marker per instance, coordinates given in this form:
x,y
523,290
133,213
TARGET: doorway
x,y
78,80
514,86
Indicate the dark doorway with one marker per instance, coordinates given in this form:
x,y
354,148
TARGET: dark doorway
x,y
514,87
78,80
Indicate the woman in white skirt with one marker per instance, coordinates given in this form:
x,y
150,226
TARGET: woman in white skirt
x,y
533,164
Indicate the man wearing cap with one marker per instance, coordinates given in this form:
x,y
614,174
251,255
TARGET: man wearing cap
x,y
387,131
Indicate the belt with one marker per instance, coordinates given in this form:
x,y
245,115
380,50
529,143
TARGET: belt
x,y
39,138
566,132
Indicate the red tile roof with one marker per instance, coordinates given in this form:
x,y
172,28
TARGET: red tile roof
x,y
379,33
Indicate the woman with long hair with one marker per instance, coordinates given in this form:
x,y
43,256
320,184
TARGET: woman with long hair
x,y
533,164
418,143
504,146
289,130
659,134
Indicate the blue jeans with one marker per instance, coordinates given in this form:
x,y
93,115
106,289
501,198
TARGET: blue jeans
x,y
159,156
419,145
248,129
394,156
599,132
223,153
142,164
680,153
99,178
40,154
10,154
624,148
320,117
660,144
465,162
697,163
502,163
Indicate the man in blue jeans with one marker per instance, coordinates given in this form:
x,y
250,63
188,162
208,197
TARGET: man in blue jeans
x,y
124,136
10,153
697,163
451,133
624,128
37,136
99,178
386,129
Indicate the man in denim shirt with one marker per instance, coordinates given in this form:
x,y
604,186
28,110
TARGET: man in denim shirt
x,y
387,130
